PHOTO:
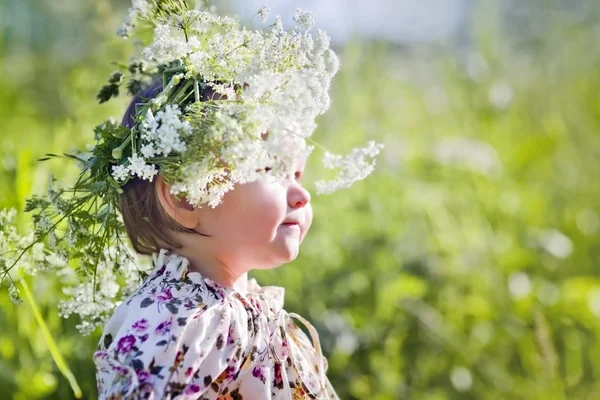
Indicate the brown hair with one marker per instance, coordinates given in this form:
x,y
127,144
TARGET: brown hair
x,y
147,224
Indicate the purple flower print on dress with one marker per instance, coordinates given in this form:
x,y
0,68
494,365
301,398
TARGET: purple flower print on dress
x,y
144,337
143,375
140,325
164,327
126,344
192,389
231,371
230,335
164,295
257,372
278,382
188,305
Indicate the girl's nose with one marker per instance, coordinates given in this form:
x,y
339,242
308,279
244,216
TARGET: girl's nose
x,y
297,195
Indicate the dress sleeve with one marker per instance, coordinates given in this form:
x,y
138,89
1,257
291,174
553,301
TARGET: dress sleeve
x,y
173,355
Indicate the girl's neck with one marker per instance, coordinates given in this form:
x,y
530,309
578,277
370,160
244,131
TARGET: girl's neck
x,y
215,270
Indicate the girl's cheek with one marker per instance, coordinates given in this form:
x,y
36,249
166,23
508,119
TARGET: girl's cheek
x,y
308,220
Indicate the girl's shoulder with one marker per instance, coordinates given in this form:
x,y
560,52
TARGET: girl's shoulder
x,y
170,292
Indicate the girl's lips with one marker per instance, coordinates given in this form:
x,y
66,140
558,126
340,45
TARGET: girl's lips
x,y
290,224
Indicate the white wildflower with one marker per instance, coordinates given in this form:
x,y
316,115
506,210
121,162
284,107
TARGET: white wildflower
x,y
137,165
120,172
148,172
44,224
148,150
321,42
333,63
278,28
169,45
142,7
52,240
162,133
13,294
353,167
223,89
125,29
264,13
7,216
305,20
139,8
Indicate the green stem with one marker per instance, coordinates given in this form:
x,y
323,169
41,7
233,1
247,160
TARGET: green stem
x,y
171,71
315,143
52,346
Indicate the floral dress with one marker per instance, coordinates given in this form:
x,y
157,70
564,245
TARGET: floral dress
x,y
183,336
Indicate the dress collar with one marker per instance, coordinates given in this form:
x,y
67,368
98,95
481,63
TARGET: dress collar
x,y
170,263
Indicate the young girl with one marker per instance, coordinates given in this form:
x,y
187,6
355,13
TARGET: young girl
x,y
198,328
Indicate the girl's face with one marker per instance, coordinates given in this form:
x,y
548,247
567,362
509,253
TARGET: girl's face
x,y
259,225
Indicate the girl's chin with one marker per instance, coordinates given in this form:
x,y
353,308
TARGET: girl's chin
x,y
283,256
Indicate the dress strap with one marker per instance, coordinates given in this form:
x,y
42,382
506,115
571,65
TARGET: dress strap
x,y
317,345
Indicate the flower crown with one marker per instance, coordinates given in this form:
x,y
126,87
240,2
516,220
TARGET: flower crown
x,y
267,87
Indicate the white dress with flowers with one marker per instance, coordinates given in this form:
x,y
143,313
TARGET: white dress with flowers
x,y
183,336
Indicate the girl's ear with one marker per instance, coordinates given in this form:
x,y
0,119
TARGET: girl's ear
x,y
180,210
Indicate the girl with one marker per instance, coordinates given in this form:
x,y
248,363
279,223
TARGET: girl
x,y
198,328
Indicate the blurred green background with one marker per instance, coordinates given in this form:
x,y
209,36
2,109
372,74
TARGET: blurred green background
x,y
465,267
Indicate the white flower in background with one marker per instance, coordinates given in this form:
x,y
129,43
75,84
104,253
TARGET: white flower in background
x,y
461,379
94,300
477,67
264,13
593,300
13,294
321,42
519,285
139,8
305,20
333,63
556,243
500,94
354,166
169,44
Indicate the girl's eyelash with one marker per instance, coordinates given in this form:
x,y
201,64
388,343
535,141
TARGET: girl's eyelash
x,y
297,175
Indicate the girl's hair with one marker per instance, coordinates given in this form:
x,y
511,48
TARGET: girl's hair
x,y
147,224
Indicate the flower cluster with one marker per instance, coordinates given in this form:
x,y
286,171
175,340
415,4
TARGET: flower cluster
x,y
273,81
234,104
